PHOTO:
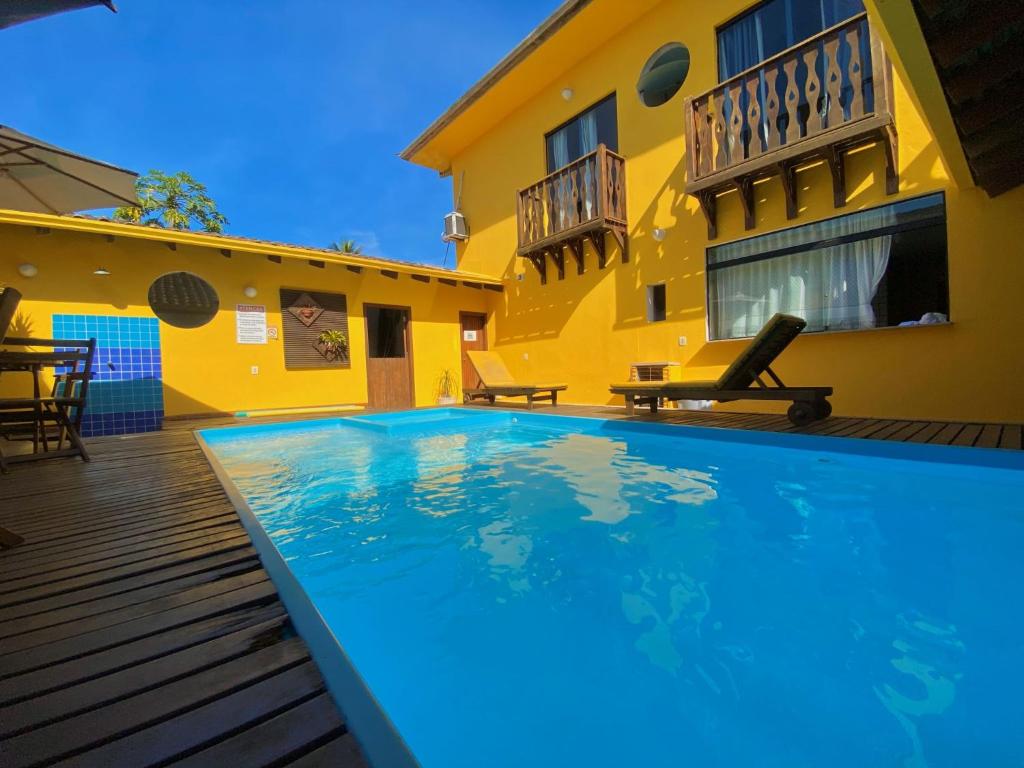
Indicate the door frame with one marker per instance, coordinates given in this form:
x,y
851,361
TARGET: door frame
x,y
410,367
483,316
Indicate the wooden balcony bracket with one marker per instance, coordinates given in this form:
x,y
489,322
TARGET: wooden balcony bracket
x,y
709,206
787,174
575,246
558,257
540,264
836,167
745,189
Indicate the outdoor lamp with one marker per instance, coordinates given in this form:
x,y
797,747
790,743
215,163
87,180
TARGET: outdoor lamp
x,y
250,291
101,271
658,234
567,94
28,270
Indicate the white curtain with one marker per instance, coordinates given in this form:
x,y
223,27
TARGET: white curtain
x,y
560,148
831,288
588,144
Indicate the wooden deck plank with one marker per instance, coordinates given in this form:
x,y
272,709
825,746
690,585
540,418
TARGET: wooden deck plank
x,y
73,646
989,437
37,682
96,692
207,723
1012,437
80,612
341,752
273,742
80,732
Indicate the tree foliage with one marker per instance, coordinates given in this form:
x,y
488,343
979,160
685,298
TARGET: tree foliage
x,y
347,246
176,201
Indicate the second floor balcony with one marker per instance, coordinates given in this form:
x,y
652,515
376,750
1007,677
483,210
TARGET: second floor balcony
x,y
812,102
581,202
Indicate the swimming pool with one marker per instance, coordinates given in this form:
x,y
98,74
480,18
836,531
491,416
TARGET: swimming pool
x,y
522,589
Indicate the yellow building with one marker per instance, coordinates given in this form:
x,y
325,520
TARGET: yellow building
x,y
197,324
729,160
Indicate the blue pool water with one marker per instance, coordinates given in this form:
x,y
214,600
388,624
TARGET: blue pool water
x,y
527,590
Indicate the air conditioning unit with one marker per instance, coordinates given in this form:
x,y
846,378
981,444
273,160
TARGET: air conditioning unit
x,y
455,227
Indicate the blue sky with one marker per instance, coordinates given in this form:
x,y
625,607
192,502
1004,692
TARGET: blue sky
x,y
292,113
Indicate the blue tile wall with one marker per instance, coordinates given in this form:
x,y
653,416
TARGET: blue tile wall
x,y
126,392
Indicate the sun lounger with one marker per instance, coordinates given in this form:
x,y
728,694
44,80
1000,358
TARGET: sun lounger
x,y
496,381
743,379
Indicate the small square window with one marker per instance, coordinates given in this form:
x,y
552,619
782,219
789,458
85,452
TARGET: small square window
x,y
655,303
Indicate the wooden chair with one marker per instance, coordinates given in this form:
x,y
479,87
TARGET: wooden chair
x,y
495,381
739,380
31,418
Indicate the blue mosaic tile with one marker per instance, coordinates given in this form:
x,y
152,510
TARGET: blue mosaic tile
x,y
126,391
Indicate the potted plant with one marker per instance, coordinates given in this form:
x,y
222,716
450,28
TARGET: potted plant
x,y
333,344
447,386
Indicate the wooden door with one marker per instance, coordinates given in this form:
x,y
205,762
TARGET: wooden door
x,y
388,357
474,336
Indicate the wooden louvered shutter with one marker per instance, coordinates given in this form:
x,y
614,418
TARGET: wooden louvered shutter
x,y
329,312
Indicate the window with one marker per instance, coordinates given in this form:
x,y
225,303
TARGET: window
x,y
385,332
774,26
655,303
581,135
663,74
880,267
183,300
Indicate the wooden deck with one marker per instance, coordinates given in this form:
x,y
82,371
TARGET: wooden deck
x,y
137,626
968,434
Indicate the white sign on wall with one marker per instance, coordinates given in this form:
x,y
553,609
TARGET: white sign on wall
x,y
251,323
469,335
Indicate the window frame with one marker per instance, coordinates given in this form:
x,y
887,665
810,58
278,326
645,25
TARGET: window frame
x,y
827,243
652,288
566,123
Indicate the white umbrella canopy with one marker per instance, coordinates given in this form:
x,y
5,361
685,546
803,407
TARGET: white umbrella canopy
x,y
19,11
35,176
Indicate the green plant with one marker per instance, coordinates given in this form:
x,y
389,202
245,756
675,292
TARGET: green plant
x,y
447,385
347,246
333,343
176,201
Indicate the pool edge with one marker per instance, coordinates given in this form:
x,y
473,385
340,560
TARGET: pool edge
x,y
366,719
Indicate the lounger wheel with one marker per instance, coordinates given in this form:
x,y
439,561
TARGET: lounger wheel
x,y
823,409
801,414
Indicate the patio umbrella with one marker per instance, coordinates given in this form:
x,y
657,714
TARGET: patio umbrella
x,y
35,176
19,11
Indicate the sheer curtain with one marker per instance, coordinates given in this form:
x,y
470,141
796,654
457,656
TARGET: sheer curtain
x,y
588,143
831,288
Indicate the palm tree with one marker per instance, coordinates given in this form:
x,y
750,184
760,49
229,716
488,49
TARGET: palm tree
x,y
347,246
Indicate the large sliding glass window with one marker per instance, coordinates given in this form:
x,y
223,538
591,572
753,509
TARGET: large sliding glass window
x,y
581,135
880,267
774,26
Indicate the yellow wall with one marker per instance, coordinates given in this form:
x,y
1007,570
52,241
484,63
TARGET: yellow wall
x,y
205,370
586,329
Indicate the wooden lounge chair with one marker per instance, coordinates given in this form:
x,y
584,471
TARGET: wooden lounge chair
x,y
496,381
739,380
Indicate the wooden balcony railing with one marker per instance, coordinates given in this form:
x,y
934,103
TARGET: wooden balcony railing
x,y
815,100
581,201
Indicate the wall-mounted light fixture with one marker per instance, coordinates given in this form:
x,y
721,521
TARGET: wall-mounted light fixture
x,y
28,270
250,291
101,271
568,93
658,234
